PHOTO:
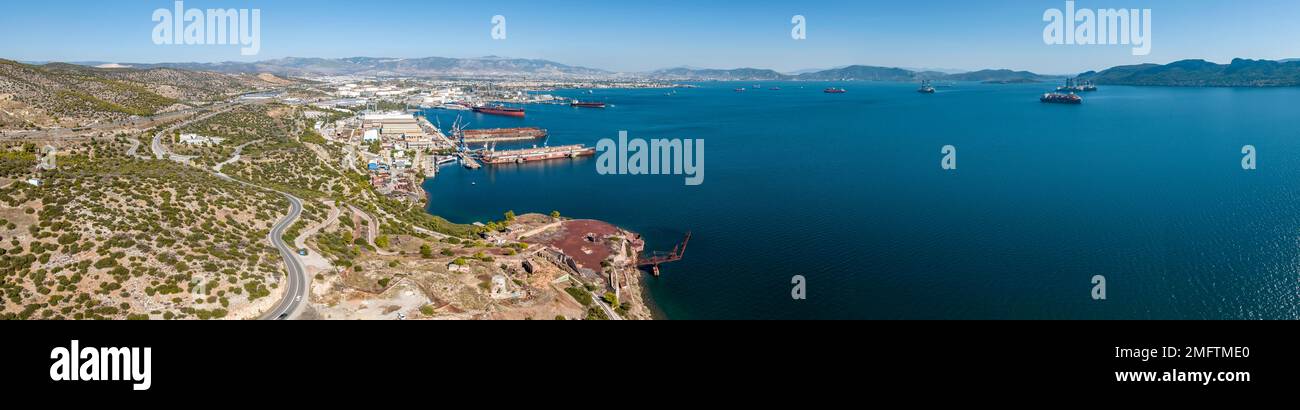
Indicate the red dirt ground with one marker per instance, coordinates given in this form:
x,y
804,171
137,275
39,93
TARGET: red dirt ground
x,y
572,238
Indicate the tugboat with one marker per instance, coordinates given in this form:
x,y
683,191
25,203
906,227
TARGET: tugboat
x,y
926,88
834,90
1061,98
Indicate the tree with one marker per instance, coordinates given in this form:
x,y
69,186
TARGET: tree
x,y
426,252
555,214
611,298
510,216
382,241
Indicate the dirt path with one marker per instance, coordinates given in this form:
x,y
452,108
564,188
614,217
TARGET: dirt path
x,y
234,158
333,218
372,230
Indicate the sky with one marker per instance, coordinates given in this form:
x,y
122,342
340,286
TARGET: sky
x,y
629,36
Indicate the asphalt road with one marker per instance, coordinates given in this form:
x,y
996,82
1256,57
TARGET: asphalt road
x,y
296,289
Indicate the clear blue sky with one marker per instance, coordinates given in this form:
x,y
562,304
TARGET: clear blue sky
x,y
645,35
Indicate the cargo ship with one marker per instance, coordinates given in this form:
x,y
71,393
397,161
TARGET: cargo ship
x,y
1059,98
500,110
834,90
1074,85
502,134
536,154
583,104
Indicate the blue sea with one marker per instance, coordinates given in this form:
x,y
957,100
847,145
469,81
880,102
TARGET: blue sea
x,y
1143,185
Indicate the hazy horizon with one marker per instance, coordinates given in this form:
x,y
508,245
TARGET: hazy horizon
x,y
640,37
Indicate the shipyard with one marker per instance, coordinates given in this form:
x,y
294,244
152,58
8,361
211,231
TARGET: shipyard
x,y
402,133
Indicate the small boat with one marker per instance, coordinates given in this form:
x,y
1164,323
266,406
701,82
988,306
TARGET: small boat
x,y
582,104
740,90
834,90
775,88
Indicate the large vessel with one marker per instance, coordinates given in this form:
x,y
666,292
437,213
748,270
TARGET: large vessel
x,y
585,104
926,88
501,134
1059,98
834,90
536,154
500,110
1074,85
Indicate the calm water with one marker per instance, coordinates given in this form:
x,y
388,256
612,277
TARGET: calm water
x,y
1142,185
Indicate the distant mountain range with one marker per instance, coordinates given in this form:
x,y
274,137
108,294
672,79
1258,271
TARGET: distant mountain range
x,y
1240,73
493,66
1201,73
409,67
848,73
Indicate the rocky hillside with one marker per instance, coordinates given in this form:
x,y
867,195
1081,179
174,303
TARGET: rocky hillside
x,y
67,95
1201,73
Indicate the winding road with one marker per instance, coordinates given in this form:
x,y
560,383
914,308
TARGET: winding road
x,y
296,291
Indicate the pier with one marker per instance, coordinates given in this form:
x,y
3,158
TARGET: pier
x,y
468,161
657,259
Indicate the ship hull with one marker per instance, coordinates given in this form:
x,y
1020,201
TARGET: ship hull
x,y
516,113
536,155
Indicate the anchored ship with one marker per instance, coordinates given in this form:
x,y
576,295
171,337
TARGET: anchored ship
x,y
1059,98
1074,85
926,88
500,110
582,104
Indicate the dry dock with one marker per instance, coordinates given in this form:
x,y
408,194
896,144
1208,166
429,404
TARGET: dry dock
x,y
502,134
536,154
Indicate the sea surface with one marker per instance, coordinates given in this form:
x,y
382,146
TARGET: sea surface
x,y
1143,185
